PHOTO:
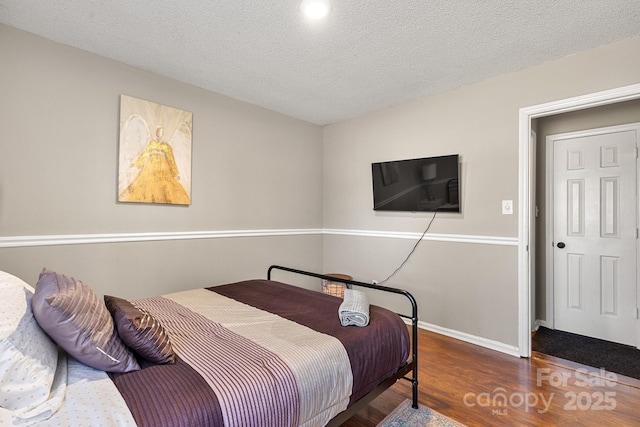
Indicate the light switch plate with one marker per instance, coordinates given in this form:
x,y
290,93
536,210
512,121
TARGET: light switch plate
x,y
507,207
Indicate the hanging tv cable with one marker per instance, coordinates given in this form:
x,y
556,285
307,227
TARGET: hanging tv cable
x,y
411,252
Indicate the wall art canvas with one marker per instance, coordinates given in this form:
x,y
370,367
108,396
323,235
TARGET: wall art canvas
x,y
154,159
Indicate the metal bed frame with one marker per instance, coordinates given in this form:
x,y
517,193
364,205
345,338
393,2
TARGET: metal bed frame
x,y
411,366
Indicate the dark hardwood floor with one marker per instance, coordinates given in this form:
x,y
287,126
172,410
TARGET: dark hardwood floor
x,y
481,387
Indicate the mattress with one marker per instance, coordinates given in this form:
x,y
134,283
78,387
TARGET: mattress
x,y
260,353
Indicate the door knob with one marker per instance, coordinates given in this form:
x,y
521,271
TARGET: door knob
x,y
561,245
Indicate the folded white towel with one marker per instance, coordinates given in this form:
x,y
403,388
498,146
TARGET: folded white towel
x,y
354,310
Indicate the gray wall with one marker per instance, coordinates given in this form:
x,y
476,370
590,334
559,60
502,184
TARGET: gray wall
x,y
255,169
252,169
469,286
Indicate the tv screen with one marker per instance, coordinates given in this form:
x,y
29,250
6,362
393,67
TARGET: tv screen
x,y
428,184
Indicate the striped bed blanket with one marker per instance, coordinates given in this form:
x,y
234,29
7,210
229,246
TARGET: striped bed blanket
x,y
260,353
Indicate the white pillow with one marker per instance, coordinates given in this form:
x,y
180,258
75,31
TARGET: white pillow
x,y
28,357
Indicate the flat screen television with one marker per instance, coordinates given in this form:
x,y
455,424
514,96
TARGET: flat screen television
x,y
428,184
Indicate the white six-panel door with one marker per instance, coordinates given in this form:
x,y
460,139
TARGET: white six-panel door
x,y
595,204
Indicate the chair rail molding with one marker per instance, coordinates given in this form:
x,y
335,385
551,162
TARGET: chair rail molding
x,y
83,239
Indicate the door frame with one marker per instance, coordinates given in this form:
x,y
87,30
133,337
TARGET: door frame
x,y
526,239
550,212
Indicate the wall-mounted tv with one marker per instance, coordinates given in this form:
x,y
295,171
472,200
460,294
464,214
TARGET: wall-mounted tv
x,y
427,184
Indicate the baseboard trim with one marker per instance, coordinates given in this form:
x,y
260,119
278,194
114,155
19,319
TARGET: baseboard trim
x,y
83,239
472,339
540,322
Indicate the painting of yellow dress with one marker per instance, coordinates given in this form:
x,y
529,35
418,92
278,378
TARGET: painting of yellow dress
x,y
155,153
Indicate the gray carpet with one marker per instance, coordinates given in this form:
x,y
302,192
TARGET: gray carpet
x,y
613,357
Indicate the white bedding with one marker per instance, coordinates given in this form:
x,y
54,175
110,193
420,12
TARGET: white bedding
x,y
36,381
91,400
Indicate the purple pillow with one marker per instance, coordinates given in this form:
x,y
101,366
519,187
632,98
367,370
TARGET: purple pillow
x,y
140,331
75,318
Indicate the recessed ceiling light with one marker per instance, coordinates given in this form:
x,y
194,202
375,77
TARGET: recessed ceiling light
x,y
315,9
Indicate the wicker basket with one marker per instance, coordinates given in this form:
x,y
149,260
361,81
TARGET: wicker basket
x,y
335,288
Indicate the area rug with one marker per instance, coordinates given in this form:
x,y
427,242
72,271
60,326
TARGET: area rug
x,y
405,416
613,357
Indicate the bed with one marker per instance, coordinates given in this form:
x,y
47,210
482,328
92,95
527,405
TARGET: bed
x,y
256,352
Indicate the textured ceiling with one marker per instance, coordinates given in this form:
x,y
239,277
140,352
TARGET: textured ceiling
x,y
368,55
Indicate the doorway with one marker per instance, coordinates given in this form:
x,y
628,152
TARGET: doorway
x,y
531,307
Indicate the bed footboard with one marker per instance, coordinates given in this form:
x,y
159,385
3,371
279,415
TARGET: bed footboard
x,y
408,371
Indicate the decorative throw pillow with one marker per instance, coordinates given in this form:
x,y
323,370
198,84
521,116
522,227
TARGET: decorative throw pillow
x,y
28,357
74,317
140,331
